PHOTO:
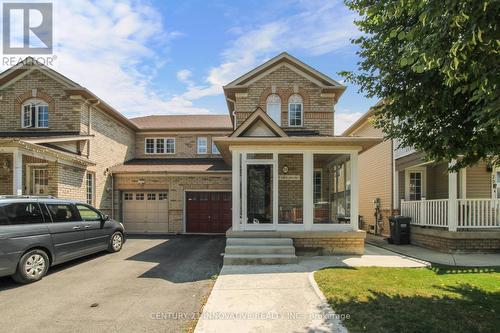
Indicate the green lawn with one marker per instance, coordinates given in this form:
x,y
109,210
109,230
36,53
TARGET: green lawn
x,y
437,299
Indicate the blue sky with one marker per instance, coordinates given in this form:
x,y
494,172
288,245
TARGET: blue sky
x,y
172,57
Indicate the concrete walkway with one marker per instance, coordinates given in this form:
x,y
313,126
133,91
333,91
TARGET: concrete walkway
x,y
435,257
282,298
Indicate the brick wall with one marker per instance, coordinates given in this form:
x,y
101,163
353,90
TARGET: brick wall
x,y
290,191
6,174
185,145
175,185
456,242
331,245
71,183
318,111
64,112
112,144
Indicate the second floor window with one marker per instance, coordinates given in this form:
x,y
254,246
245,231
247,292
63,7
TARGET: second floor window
x,y
159,146
295,111
35,114
202,145
215,150
273,108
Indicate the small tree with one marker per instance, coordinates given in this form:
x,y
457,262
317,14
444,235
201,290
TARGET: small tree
x,y
435,65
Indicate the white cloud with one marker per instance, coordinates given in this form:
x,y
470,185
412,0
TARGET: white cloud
x,y
183,75
105,46
344,119
317,29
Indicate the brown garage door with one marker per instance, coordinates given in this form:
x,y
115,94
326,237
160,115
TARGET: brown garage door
x,y
208,212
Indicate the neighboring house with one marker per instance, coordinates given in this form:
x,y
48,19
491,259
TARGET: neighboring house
x,y
57,138
376,178
450,211
270,168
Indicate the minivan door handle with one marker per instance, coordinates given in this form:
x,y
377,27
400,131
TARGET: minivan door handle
x,y
87,226
76,228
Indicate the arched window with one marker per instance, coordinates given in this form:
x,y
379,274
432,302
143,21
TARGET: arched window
x,y
295,111
35,114
273,107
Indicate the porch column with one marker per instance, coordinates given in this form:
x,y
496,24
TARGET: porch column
x,y
236,190
354,191
452,200
308,190
17,172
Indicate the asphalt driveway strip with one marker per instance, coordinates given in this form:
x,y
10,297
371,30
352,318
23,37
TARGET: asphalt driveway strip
x,y
155,284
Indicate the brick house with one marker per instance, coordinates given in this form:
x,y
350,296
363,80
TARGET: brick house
x,y
271,167
451,212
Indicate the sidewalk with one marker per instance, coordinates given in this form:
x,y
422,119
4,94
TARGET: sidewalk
x,y
432,256
282,298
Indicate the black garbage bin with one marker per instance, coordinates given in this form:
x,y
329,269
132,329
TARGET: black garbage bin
x,y
400,229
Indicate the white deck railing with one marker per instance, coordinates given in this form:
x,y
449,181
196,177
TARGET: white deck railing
x,y
478,213
472,213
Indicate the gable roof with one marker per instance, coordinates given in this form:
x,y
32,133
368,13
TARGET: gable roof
x,y
184,122
363,119
259,116
29,64
284,57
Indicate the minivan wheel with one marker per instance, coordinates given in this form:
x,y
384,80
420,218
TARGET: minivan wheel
x,y
116,242
32,266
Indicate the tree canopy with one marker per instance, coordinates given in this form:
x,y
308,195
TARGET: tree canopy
x,y
435,64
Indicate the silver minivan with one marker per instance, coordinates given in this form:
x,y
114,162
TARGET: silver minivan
x,y
38,232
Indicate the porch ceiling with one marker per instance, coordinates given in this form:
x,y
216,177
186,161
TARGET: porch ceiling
x,y
300,143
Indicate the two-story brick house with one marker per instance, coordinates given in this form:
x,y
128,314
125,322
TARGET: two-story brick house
x,y
271,166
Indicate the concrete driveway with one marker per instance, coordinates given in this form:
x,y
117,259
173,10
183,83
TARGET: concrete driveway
x,y
152,285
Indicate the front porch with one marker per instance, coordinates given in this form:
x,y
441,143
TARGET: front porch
x,y
31,169
451,212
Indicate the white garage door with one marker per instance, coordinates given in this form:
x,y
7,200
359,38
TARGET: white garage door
x,y
145,211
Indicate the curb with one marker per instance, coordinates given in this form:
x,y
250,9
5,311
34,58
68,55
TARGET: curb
x,y
325,307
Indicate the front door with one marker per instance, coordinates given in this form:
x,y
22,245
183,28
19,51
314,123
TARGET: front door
x,y
260,187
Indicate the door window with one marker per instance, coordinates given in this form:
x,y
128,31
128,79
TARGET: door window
x,y
20,213
62,213
415,185
39,181
88,214
260,194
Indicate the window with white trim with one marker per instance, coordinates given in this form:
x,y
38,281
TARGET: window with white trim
x,y
90,188
215,150
295,111
415,185
128,196
170,146
201,144
35,114
273,108
159,145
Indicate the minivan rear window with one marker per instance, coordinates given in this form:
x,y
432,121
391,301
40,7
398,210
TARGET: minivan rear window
x,y
20,213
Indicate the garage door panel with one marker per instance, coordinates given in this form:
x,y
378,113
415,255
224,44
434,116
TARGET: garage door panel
x,y
207,212
145,212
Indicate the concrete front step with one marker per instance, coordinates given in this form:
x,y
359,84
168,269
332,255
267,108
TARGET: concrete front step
x,y
259,259
259,241
260,249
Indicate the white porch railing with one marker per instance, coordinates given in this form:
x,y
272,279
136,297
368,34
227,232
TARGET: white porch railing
x,y
472,213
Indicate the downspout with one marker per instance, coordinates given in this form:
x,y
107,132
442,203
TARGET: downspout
x,y
112,195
